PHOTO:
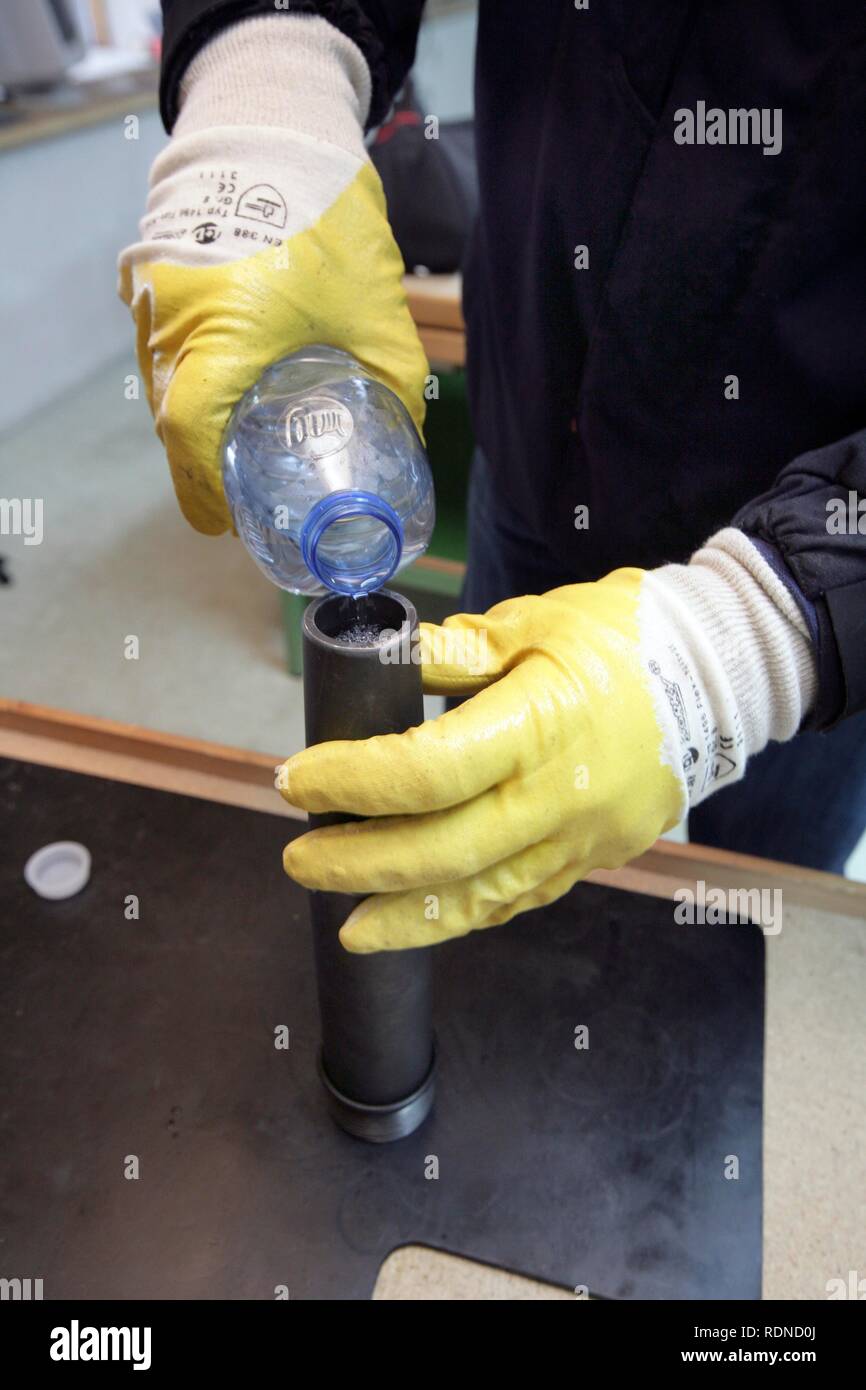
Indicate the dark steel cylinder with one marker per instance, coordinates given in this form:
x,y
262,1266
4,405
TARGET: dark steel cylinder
x,y
377,1058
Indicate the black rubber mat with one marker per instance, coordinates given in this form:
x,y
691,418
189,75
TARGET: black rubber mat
x,y
154,1039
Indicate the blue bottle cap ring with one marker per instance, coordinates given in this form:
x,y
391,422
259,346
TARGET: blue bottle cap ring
x,y
344,506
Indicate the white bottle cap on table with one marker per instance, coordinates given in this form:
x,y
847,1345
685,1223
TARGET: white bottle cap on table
x,y
58,870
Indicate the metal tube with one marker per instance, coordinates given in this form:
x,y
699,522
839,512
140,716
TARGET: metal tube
x,y
377,1058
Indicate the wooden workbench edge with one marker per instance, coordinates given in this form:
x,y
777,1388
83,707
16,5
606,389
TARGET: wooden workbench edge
x,y
239,777
435,301
147,757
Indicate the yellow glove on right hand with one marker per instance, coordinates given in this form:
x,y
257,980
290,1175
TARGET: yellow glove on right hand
x,y
599,712
266,230
564,761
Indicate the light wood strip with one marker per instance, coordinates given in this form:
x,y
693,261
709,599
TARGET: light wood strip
x,y
440,565
146,757
443,345
238,777
435,300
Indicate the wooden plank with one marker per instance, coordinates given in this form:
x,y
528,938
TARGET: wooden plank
x,y
146,757
439,565
443,345
667,867
436,300
435,305
238,777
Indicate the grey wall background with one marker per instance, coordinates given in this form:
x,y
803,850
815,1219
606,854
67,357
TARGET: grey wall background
x,y
445,62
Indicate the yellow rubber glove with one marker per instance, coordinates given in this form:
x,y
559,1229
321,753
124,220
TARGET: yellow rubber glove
x,y
603,711
266,230
558,766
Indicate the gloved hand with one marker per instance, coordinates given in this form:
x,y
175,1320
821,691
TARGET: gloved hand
x,y
265,230
603,710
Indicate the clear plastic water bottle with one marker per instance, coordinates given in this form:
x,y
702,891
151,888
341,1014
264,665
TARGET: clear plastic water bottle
x,y
326,477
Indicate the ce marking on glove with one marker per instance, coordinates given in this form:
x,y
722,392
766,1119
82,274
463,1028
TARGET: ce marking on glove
x,y
226,183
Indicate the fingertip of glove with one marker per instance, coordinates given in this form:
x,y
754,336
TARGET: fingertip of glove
x,y
360,934
284,782
295,864
294,786
356,944
288,859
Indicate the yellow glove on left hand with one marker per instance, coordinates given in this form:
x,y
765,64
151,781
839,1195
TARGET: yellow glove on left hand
x,y
266,230
565,761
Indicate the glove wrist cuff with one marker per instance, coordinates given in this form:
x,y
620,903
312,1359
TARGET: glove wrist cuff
x,y
745,659
268,137
291,72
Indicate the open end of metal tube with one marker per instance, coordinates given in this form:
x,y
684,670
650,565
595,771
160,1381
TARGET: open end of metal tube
x,y
360,625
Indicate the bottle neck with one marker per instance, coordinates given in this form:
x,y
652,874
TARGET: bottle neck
x,y
343,572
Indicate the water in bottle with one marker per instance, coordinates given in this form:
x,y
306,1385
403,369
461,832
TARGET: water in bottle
x,y
326,477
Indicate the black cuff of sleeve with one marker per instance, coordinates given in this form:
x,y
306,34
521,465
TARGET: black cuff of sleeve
x,y
189,26
815,517
830,703
846,621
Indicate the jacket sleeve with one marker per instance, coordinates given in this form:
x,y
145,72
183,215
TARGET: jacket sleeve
x,y
386,32
811,526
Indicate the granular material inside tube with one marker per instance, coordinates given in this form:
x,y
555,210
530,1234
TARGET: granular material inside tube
x,y
360,634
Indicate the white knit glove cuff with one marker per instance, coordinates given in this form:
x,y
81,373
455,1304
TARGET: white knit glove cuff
x,y
730,657
270,133
297,72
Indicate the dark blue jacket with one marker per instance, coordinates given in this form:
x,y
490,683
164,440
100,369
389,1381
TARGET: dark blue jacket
x,y
610,383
